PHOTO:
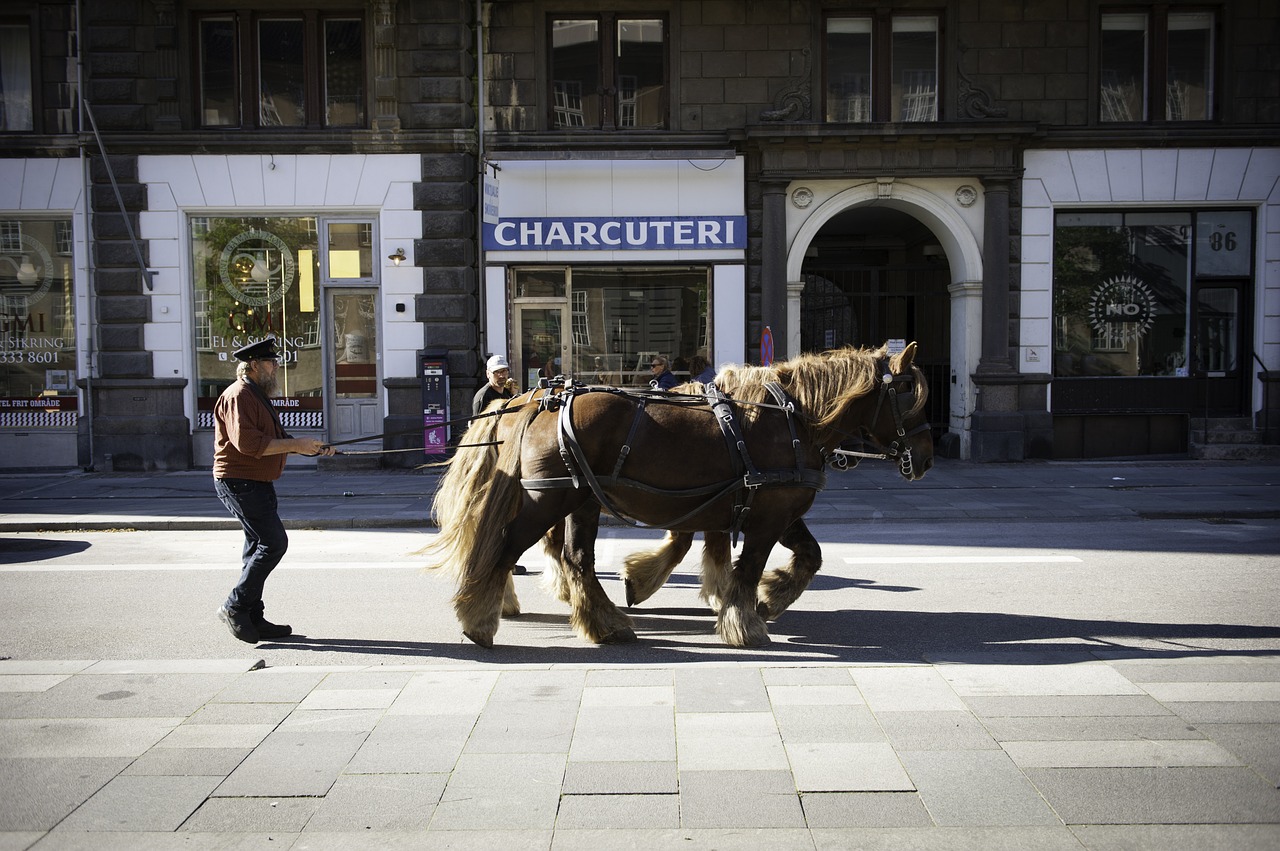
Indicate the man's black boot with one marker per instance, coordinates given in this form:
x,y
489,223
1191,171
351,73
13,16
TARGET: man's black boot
x,y
240,623
267,629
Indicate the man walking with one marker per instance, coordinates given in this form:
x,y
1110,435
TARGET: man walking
x,y
249,451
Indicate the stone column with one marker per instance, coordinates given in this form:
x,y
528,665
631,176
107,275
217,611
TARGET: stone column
x,y
997,421
773,280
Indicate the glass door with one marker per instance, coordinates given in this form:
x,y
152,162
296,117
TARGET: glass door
x,y
1220,357
541,346
352,329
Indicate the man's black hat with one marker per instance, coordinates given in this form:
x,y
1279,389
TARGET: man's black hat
x,y
261,350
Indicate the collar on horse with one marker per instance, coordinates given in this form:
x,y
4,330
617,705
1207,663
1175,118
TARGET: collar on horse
x,y
747,479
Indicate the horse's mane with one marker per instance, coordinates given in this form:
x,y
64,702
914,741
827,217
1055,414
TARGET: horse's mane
x,y
823,384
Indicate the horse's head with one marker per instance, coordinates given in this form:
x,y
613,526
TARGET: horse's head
x,y
897,422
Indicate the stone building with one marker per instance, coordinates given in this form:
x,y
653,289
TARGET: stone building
x,y
1071,206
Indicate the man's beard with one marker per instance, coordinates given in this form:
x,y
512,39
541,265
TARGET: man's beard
x,y
268,384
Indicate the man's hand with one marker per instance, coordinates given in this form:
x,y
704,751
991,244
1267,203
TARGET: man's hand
x,y
309,446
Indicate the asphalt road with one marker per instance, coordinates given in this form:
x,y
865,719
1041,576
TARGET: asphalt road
x,y
889,591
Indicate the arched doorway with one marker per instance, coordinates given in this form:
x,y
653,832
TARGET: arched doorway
x,y
872,274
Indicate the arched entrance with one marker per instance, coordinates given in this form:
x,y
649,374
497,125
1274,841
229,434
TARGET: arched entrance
x,y
873,274
888,259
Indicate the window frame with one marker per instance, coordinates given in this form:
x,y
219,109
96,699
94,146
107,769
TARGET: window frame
x,y
1156,67
246,26
607,27
31,22
882,36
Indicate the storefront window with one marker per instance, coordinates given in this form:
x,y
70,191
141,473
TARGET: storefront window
x,y
38,357
255,277
1120,288
616,319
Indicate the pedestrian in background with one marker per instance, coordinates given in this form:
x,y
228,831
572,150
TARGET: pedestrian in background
x,y
663,377
499,386
249,451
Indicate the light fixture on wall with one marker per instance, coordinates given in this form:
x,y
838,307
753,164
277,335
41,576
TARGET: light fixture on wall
x,y
398,257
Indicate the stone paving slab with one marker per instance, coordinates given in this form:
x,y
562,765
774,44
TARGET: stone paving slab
x,y
727,755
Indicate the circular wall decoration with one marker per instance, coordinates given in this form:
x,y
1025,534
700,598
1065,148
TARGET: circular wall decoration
x,y
247,271
966,196
34,265
802,197
1122,303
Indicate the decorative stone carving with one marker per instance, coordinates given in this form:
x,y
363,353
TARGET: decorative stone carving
x,y
974,101
802,197
966,195
793,102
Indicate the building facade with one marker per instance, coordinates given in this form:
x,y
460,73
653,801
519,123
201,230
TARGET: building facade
x,y
1071,205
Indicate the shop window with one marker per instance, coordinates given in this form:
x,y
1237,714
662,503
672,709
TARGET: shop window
x,y
16,112
1123,292
882,68
621,316
254,277
38,356
608,72
275,70
1157,67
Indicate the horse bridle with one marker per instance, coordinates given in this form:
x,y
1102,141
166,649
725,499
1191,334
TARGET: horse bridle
x,y
900,448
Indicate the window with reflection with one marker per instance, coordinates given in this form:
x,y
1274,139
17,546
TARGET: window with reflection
x,y
881,68
38,354
608,72
16,112
299,69
1156,66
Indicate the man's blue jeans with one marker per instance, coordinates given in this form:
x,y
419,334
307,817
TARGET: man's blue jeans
x,y
265,542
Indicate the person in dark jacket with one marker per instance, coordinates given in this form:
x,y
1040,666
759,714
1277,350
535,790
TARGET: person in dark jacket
x,y
663,378
249,451
500,385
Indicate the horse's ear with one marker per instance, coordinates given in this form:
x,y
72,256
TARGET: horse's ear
x,y
902,363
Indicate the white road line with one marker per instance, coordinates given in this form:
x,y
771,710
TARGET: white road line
x,y
984,559
408,564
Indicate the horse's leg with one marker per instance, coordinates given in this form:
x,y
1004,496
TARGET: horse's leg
x,y
739,624
554,581
594,616
780,588
717,564
643,573
479,600
510,602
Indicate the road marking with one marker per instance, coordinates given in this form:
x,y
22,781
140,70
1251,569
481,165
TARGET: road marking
x,y
227,565
987,559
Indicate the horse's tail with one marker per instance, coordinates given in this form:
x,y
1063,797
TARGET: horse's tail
x,y
478,494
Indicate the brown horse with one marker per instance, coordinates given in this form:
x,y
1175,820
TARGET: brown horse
x,y
665,461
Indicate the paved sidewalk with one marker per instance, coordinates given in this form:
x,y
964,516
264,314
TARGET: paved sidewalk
x,y
1063,750
874,490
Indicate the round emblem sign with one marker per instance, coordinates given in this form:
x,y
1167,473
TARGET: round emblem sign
x,y
32,272
256,268
1122,304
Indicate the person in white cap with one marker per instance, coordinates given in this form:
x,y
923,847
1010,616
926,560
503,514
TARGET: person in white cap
x,y
500,385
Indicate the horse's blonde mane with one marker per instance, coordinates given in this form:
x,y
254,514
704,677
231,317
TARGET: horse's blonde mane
x,y
823,384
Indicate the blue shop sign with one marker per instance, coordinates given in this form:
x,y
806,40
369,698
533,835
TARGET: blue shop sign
x,y
617,233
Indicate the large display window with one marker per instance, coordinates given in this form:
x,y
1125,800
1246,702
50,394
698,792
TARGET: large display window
x,y
38,356
605,324
254,277
1149,293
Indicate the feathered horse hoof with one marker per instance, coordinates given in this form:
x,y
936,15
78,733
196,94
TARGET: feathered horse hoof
x,y
485,641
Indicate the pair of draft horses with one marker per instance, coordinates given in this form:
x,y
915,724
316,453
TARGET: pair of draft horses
x,y
744,456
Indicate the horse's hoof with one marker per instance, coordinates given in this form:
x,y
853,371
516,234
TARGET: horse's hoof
x,y
620,636
482,640
631,593
762,609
